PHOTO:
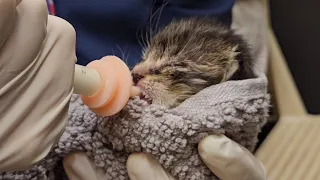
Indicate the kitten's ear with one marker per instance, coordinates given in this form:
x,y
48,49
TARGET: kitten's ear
x,y
231,67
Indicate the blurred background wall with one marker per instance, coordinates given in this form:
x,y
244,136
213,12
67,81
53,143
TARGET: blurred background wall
x,y
296,24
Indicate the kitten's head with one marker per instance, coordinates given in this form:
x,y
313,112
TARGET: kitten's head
x,y
186,57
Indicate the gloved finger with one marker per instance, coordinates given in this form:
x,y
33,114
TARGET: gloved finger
x,y
78,166
7,16
26,41
141,166
18,2
12,10
229,160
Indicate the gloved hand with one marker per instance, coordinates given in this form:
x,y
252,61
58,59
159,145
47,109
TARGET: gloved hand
x,y
37,57
225,158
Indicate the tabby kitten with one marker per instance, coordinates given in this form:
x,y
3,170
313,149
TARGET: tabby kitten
x,y
188,56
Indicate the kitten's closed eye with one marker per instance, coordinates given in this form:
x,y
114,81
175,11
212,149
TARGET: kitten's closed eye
x,y
175,75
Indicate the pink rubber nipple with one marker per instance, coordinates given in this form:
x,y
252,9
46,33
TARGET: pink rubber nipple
x,y
115,86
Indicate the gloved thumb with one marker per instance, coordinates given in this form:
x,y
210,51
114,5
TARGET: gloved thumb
x,y
142,166
229,160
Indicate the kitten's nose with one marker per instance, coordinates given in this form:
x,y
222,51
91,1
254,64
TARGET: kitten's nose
x,y
136,77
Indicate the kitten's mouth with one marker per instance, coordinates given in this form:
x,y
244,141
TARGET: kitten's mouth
x,y
143,95
146,97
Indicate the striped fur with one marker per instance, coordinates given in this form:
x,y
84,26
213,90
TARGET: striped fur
x,y
189,55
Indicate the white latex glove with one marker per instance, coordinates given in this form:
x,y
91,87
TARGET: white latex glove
x,y
37,57
226,159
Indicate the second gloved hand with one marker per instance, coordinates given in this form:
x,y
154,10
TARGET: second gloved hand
x,y
224,157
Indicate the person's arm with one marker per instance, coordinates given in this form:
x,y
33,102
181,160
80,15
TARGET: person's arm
x,y
37,57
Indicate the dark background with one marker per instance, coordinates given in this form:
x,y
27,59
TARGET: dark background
x,y
296,24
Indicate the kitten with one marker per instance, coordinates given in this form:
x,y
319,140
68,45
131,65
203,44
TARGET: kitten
x,y
188,56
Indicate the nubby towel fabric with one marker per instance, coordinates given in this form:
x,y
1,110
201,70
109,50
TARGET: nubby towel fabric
x,y
237,109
